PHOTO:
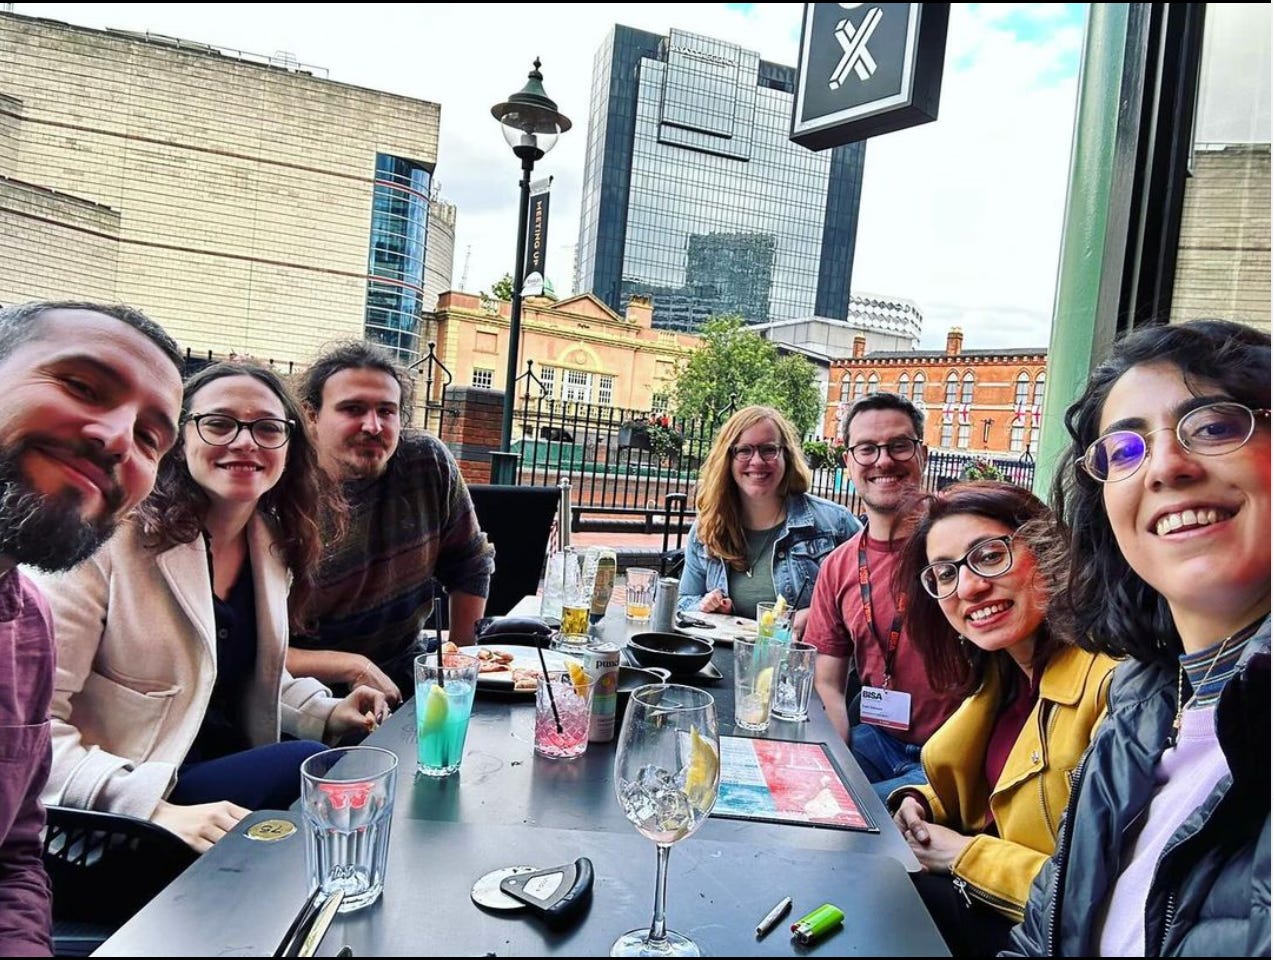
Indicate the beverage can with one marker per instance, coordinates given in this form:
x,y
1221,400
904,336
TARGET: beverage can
x,y
665,604
601,660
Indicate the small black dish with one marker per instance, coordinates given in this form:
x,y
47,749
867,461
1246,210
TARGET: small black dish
x,y
671,651
524,631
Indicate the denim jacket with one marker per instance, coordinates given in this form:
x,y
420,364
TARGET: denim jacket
x,y
814,528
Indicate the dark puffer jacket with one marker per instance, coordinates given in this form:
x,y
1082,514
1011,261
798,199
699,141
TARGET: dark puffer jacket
x,y
1211,891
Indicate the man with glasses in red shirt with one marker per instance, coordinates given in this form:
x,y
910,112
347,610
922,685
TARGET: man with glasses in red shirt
x,y
856,615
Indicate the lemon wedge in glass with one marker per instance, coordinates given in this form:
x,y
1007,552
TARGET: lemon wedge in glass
x,y
764,680
435,711
703,772
579,677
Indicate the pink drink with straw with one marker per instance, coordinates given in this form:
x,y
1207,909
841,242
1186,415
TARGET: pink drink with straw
x,y
574,703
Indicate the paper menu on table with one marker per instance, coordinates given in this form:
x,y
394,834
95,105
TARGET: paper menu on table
x,y
785,781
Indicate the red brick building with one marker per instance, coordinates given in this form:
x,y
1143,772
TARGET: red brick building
x,y
973,400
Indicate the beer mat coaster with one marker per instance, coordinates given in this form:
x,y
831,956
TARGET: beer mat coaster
x,y
722,628
709,673
786,781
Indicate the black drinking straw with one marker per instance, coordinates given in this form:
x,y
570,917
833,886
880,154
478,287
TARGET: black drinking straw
x,y
548,679
438,637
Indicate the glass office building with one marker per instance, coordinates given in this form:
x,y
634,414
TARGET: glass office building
x,y
695,197
396,255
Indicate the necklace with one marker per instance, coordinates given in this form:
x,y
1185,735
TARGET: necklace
x,y
1181,674
768,542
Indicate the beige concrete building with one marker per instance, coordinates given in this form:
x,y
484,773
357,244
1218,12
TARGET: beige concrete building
x,y
229,197
584,352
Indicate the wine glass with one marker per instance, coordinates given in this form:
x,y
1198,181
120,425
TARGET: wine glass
x,y
667,771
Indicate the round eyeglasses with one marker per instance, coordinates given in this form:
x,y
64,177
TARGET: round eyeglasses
x,y
899,449
220,430
988,558
769,452
1210,430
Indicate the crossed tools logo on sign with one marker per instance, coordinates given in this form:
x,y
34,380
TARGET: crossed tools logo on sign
x,y
855,55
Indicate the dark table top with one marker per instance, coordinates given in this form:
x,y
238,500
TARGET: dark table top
x,y
239,898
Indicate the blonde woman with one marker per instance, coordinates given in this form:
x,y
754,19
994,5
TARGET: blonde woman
x,y
759,535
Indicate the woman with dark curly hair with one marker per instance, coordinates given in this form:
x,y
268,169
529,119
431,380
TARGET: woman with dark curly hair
x,y
1166,848
998,771
759,534
171,691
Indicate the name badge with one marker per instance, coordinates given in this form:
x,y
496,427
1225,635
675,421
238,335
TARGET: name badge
x,y
886,708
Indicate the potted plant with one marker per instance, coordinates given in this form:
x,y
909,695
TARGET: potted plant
x,y
634,435
981,469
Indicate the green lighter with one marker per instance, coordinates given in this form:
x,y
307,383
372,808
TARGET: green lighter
x,y
816,923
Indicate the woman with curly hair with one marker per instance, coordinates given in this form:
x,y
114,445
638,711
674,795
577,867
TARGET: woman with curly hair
x,y
758,535
171,691
1166,844
986,556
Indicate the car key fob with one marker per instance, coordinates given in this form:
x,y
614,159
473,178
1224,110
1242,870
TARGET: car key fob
x,y
556,893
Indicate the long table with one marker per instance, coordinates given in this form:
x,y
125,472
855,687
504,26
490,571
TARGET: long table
x,y
508,806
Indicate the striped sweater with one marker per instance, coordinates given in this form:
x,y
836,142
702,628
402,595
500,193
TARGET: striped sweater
x,y
412,524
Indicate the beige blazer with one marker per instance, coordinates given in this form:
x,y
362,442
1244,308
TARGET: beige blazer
x,y
136,662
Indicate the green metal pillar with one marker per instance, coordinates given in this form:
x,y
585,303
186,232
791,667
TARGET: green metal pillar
x,y
1095,229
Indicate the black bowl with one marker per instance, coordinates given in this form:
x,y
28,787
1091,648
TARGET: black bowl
x,y
670,651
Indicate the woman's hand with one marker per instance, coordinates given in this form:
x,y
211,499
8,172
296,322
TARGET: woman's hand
x,y
715,602
362,711
199,825
371,675
935,846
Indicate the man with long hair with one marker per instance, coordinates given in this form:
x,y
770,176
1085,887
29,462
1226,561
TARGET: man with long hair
x,y
411,522
90,403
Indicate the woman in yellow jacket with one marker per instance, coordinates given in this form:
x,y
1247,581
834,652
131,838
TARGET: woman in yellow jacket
x,y
999,769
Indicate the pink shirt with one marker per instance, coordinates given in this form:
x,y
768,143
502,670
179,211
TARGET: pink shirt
x,y
26,687
1187,774
837,626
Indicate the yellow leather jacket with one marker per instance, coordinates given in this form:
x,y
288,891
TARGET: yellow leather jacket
x,y
1031,795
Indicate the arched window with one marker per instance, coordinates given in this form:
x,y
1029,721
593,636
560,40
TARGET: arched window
x,y
1022,389
904,386
966,394
918,389
953,388
844,388
873,384
860,386
1039,390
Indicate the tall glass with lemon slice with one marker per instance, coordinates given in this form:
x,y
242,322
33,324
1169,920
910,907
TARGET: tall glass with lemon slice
x,y
442,711
667,773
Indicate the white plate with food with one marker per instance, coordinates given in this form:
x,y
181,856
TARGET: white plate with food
x,y
722,628
512,668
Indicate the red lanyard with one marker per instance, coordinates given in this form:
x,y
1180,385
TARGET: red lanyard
x,y
895,629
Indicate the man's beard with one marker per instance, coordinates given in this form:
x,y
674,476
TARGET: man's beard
x,y
45,531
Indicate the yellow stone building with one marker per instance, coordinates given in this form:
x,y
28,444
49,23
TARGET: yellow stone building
x,y
229,197
583,351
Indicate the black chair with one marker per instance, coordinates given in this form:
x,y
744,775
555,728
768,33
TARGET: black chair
x,y
104,867
518,521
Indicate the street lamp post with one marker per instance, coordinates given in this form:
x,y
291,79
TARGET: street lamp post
x,y
531,125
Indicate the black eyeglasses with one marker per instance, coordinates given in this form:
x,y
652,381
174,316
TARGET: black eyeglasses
x,y
899,449
988,558
220,430
769,452
1211,430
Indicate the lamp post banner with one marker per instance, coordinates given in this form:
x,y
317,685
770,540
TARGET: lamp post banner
x,y
867,69
537,233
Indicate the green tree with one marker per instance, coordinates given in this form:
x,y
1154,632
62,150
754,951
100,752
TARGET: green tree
x,y
792,387
735,361
503,288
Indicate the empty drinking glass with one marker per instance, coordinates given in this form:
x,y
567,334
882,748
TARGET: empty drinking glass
x,y
793,681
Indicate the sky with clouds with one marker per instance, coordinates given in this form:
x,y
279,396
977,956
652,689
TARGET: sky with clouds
x,y
963,215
